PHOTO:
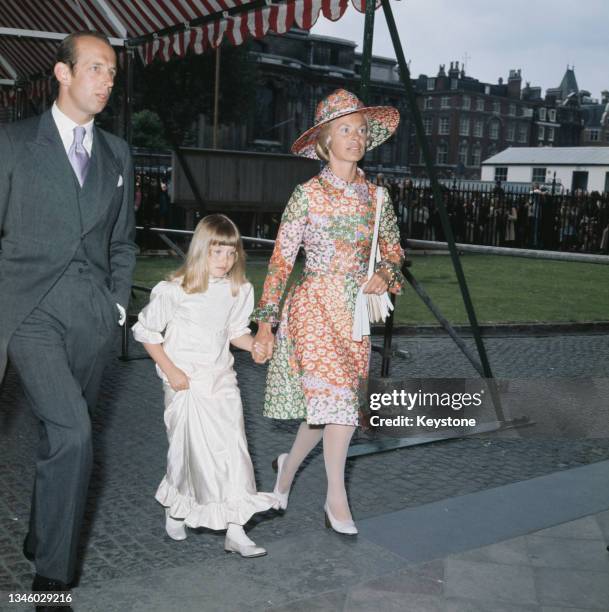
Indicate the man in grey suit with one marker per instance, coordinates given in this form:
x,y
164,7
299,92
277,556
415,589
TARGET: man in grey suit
x,y
66,261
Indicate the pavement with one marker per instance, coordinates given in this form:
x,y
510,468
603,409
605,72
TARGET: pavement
x,y
505,521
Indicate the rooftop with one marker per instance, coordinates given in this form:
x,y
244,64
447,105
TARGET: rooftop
x,y
588,156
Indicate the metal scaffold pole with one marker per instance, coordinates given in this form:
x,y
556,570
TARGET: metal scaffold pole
x,y
420,132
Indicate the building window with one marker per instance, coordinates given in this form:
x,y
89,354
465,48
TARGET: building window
x,y
501,173
464,126
542,114
551,134
444,125
428,103
512,110
594,135
431,84
552,115
493,130
541,132
496,108
511,132
442,154
476,155
265,111
428,125
539,175
478,128
467,102
445,103
487,90
454,83
522,134
463,151
479,104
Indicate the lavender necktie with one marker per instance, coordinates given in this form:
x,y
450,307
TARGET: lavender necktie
x,y
78,156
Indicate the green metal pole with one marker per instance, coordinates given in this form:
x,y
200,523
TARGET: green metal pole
x,y
367,52
364,94
420,132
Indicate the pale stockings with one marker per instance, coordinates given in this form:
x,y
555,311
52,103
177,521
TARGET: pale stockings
x,y
336,444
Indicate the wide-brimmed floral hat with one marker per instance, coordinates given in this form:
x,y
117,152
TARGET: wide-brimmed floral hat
x,y
382,121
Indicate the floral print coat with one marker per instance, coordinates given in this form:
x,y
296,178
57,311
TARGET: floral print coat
x,y
318,371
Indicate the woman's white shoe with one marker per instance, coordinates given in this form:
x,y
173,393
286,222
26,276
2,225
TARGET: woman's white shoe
x,y
344,527
175,529
245,550
277,466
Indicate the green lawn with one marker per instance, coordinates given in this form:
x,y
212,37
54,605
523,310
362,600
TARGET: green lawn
x,y
503,289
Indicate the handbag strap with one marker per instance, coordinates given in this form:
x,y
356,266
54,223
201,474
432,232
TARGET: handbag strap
x,y
375,252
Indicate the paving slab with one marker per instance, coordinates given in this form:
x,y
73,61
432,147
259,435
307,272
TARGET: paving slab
x,y
128,563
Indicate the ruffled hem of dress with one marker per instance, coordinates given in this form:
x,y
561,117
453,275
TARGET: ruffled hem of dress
x,y
215,515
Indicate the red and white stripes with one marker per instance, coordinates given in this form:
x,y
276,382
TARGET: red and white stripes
x,y
257,23
30,57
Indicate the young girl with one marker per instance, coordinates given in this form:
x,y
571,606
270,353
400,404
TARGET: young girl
x,y
186,328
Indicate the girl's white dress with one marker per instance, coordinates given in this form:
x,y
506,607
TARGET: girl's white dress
x,y
210,478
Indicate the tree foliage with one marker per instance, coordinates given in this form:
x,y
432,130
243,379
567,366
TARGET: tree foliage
x,y
181,89
148,130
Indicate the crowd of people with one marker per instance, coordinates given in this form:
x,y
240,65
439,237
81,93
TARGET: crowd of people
x,y
537,219
494,216
152,203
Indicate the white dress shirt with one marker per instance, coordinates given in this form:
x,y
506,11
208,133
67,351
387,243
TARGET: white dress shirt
x,y
66,126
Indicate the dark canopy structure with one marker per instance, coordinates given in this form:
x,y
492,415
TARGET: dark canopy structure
x,y
30,30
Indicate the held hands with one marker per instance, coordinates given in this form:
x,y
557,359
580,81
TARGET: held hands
x,y
178,380
259,353
262,346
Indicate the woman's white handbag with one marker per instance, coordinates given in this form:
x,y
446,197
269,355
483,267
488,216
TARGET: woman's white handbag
x,y
371,307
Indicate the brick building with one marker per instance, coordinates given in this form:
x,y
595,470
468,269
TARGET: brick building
x,y
467,120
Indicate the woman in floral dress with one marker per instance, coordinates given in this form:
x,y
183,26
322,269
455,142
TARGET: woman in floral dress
x,y
317,370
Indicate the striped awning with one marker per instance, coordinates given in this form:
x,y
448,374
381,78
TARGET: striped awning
x,y
159,28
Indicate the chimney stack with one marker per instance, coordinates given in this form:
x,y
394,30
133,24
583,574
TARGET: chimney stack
x,y
514,84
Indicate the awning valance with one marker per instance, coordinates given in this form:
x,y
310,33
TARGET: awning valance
x,y
30,30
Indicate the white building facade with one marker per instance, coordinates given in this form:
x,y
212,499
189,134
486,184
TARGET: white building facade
x,y
585,168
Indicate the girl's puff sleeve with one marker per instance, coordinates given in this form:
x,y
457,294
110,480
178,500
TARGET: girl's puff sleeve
x,y
240,315
153,319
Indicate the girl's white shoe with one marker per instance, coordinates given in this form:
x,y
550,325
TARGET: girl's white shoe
x,y
175,529
236,541
344,527
277,466
245,550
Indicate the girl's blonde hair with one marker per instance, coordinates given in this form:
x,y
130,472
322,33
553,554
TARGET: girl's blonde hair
x,y
211,231
322,146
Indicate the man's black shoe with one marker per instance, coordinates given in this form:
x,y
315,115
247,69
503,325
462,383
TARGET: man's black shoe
x,y
44,584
